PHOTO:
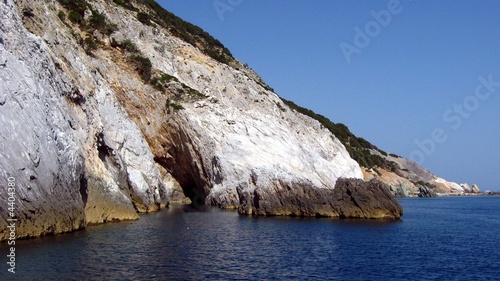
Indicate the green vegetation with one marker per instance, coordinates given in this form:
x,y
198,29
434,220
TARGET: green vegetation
x,y
358,148
188,32
78,6
420,183
265,86
176,106
126,45
144,18
377,172
61,16
75,17
90,45
281,107
192,92
99,21
76,9
178,91
114,43
178,27
129,46
160,82
142,65
125,4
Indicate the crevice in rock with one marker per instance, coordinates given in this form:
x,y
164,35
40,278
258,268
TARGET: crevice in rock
x,y
102,148
112,164
83,189
75,96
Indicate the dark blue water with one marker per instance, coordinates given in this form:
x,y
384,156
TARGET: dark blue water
x,y
438,239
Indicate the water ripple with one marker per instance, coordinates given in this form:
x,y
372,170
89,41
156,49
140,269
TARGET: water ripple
x,y
438,239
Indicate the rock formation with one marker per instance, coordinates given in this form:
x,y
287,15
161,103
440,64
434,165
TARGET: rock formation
x,y
104,116
491,193
97,127
351,198
408,179
404,177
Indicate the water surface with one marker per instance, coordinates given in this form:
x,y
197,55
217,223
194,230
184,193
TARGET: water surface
x,y
437,239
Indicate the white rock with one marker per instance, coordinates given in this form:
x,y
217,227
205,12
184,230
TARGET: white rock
x,y
90,158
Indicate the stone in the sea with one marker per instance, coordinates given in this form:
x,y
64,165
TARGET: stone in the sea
x,y
354,198
351,198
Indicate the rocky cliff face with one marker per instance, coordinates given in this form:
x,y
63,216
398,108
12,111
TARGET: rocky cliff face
x,y
405,178
104,116
408,179
351,198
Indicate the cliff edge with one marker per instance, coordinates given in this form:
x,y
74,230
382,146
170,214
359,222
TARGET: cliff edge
x,y
113,108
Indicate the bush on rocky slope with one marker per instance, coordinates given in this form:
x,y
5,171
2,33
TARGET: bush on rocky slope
x,y
358,148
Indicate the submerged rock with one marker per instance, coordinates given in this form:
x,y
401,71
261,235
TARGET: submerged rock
x,y
351,198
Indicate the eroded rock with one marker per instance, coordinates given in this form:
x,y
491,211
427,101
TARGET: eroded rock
x,y
351,198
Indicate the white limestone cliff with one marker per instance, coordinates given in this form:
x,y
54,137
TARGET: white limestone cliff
x,y
88,141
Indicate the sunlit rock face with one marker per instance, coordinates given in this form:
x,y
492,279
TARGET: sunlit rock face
x,y
409,179
89,140
351,198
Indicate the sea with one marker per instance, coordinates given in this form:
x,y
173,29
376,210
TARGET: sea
x,y
448,238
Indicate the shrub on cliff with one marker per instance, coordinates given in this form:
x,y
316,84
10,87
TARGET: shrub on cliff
x,y
144,18
159,82
100,22
61,16
126,4
188,32
126,45
76,9
142,65
77,6
75,17
358,148
90,45
176,106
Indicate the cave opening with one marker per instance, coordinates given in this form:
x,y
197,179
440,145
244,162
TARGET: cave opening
x,y
192,190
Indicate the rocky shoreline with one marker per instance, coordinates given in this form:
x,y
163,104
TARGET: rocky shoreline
x,y
101,127
491,193
351,198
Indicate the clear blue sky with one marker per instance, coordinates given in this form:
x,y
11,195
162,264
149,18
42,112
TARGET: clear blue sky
x,y
414,79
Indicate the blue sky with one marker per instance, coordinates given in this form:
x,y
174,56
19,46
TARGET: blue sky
x,y
401,74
